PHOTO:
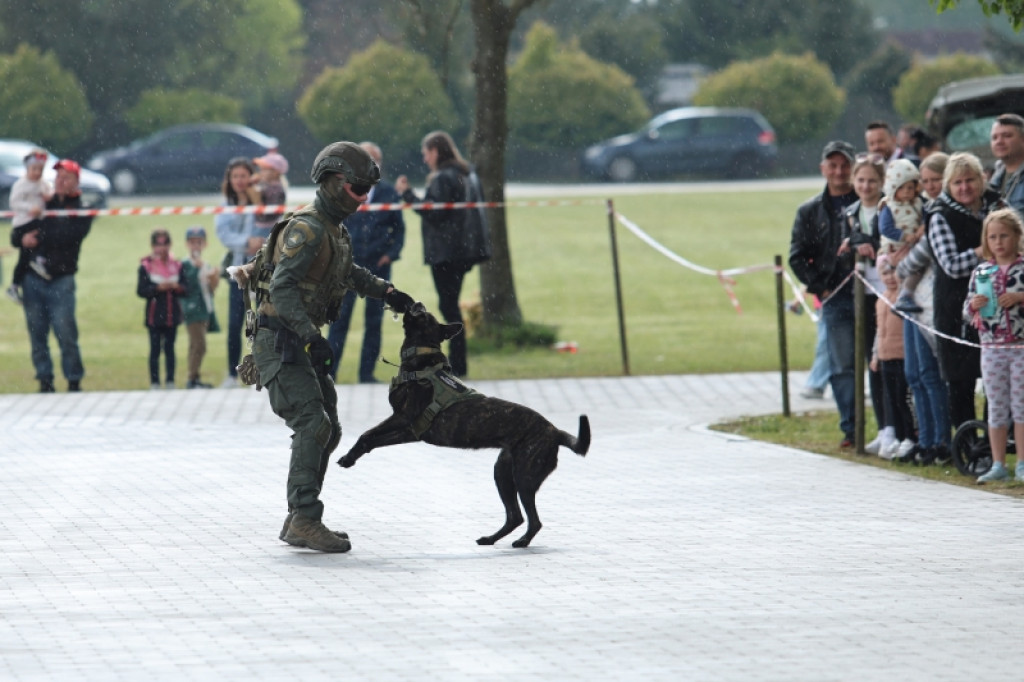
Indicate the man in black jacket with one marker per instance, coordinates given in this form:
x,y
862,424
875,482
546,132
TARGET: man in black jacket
x,y
816,258
49,294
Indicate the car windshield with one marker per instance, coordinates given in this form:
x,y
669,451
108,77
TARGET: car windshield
x,y
968,135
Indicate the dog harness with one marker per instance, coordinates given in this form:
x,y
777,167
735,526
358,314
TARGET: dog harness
x,y
448,389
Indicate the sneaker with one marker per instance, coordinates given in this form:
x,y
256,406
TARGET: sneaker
x,y
874,446
889,450
169,386
230,382
942,455
846,444
74,386
915,455
1018,472
998,472
305,532
813,393
46,386
39,269
14,293
196,383
907,304
155,386
906,447
283,536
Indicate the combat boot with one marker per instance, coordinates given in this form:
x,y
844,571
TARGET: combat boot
x,y
283,536
305,532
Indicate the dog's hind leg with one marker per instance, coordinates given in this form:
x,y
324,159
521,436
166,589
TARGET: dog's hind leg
x,y
504,478
528,483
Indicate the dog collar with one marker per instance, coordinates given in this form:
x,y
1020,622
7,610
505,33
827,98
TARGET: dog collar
x,y
413,351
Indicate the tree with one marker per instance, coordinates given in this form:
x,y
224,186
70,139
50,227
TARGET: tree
x,y
385,94
41,101
493,22
595,100
878,74
1014,9
716,33
159,108
918,86
633,41
797,95
118,49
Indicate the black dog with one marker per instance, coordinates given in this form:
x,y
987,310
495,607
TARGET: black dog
x,y
465,419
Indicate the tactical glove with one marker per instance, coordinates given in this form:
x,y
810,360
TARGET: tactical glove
x,y
399,301
320,355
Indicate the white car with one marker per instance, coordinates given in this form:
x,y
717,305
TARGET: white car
x,y
95,186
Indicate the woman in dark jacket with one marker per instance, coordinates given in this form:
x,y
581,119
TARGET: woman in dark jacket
x,y
453,239
954,232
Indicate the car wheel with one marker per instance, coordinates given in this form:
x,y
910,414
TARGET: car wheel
x,y
124,181
622,169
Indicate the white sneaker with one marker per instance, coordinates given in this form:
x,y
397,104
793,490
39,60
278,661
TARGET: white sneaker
x,y
230,382
14,294
889,450
905,447
874,446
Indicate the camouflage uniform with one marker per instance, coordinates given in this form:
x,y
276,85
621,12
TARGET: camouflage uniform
x,y
312,271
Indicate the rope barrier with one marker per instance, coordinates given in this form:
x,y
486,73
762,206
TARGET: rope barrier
x,y
725,277
281,208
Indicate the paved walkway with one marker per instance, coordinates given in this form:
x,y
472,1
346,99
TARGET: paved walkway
x,y
140,543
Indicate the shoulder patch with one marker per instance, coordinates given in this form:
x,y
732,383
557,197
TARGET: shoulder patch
x,y
296,236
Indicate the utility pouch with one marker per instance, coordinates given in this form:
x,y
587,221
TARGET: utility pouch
x,y
248,372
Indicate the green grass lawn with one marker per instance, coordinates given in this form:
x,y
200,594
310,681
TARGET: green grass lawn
x,y
677,321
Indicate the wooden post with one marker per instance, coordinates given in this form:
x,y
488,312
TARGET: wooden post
x,y
780,308
618,289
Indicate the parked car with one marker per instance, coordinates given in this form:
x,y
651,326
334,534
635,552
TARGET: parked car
x,y
185,157
961,114
95,186
691,140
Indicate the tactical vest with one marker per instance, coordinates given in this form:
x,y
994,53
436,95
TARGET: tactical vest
x,y
446,387
323,286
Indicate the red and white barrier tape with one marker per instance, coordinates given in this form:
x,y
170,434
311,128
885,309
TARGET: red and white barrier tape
x,y
278,208
725,277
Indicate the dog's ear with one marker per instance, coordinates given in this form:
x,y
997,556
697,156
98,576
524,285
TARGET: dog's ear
x,y
449,331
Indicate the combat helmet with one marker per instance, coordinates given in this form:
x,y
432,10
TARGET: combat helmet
x,y
347,159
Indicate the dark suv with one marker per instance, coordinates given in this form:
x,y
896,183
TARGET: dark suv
x,y
736,143
961,114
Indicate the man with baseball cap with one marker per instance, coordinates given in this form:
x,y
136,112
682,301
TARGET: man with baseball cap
x,y
815,259
50,301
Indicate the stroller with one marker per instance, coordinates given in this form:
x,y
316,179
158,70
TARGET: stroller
x,y
971,450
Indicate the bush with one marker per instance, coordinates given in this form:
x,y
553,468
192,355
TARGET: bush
x,y
41,101
797,95
918,86
385,94
878,74
160,108
560,98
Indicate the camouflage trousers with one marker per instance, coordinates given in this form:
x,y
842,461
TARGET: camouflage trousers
x,y
308,403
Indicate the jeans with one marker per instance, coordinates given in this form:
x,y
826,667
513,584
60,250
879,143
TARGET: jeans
x,y
51,304
237,302
837,313
820,369
374,316
162,339
931,397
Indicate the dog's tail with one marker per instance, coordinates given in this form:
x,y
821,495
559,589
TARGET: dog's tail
x,y
581,443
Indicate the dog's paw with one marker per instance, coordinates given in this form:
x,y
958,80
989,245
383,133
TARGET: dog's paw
x,y
485,541
346,461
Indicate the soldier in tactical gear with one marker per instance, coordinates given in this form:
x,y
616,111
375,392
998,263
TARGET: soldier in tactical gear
x,y
300,278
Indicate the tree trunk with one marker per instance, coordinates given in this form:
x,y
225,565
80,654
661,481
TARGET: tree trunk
x,y
493,22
